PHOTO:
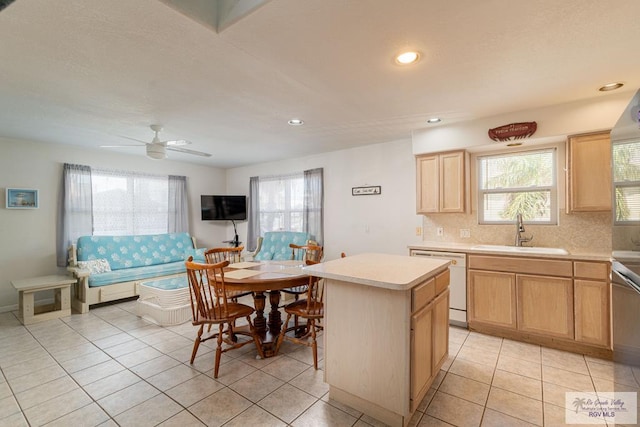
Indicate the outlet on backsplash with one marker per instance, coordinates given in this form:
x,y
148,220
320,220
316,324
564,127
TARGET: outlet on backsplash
x,y
465,233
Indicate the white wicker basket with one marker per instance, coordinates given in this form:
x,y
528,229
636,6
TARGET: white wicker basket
x,y
165,302
163,316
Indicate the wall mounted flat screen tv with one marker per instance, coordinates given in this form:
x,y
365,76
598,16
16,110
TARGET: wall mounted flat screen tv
x,y
223,208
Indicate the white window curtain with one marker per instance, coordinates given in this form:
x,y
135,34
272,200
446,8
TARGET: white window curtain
x,y
313,202
110,202
253,227
178,206
75,217
292,202
129,203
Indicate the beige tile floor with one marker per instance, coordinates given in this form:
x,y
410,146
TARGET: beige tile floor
x,y
110,367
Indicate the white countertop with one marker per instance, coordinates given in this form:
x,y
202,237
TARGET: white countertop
x,y
469,248
397,272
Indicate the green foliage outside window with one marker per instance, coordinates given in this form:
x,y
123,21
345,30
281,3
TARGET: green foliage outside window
x,y
517,183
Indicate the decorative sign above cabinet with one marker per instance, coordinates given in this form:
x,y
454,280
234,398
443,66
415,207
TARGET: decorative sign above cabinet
x,y
513,131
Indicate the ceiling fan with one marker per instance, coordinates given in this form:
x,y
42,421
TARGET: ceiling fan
x,y
157,149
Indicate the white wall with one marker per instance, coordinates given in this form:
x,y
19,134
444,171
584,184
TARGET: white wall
x,y
355,224
554,123
28,246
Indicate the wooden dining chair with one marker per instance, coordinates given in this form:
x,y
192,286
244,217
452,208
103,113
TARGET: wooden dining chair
x,y
309,252
210,306
312,310
231,254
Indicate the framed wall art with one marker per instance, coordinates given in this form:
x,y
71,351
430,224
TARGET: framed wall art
x,y
366,191
22,198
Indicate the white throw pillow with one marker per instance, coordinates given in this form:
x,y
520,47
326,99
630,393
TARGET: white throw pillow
x,y
95,266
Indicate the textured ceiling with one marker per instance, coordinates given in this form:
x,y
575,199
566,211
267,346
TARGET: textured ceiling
x,y
91,72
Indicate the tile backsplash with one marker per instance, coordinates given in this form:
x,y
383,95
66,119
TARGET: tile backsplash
x,y
576,232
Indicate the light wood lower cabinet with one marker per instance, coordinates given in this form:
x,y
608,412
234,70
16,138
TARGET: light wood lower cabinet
x,y
421,349
492,298
441,328
545,305
429,345
592,302
569,307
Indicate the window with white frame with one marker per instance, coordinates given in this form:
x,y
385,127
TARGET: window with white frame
x,y
281,203
523,182
129,203
626,181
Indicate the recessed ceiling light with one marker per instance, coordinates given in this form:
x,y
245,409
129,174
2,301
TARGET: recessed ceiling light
x,y
296,122
611,86
434,120
406,58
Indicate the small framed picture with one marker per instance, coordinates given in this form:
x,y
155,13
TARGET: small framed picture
x,y
374,190
22,198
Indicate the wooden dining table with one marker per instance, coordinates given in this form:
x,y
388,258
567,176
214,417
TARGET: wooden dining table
x,y
261,278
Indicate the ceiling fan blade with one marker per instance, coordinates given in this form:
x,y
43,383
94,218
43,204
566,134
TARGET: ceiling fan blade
x,y
176,143
137,140
184,150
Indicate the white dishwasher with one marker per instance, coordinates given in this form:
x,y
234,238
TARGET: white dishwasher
x,y
457,285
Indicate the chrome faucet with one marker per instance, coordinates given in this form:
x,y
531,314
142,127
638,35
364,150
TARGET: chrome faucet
x,y
519,230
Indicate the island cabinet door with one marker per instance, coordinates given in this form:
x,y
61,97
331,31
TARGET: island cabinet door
x,y
440,329
421,352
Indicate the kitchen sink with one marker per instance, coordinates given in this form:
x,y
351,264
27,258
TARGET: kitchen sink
x,y
521,249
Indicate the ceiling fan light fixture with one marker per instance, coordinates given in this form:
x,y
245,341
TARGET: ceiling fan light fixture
x,y
156,151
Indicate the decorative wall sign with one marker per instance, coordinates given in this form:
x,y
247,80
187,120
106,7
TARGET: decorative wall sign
x,y
21,198
366,191
513,131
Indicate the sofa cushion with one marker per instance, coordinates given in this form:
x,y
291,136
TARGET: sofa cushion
x,y
275,244
197,254
136,273
124,252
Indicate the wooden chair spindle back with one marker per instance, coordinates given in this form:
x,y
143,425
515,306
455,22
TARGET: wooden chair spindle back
x,y
207,290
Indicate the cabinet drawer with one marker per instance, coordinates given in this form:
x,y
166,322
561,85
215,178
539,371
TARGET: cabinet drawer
x,y
591,270
442,281
422,294
549,267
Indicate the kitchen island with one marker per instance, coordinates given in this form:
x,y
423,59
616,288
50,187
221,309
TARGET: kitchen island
x,y
386,331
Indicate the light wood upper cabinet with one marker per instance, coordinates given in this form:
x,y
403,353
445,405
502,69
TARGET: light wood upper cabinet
x,y
440,182
589,172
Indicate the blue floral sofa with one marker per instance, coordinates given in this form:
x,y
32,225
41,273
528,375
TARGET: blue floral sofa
x,y
275,245
111,267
